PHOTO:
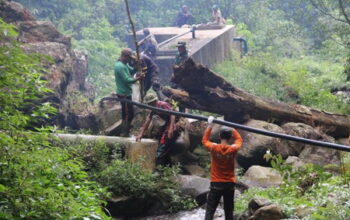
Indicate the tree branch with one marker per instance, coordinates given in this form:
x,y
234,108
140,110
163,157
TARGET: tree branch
x,y
342,10
323,11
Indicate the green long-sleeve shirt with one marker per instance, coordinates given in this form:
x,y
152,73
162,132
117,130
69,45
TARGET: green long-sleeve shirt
x,y
123,78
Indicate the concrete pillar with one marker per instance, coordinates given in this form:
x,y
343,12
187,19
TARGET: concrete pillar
x,y
142,152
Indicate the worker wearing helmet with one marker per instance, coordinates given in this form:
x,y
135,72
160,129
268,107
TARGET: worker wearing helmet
x,y
168,134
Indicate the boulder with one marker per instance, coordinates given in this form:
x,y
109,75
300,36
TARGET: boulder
x,y
343,141
109,115
11,12
270,212
41,31
255,146
303,211
311,154
261,209
256,204
259,176
194,170
295,162
66,69
196,129
195,186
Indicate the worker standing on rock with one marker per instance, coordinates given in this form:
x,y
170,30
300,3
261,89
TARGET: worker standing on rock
x,y
182,55
222,169
124,79
180,58
151,70
168,134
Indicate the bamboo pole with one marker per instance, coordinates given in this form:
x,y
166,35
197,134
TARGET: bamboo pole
x,y
138,60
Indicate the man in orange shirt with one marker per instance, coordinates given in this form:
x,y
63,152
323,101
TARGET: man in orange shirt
x,y
222,169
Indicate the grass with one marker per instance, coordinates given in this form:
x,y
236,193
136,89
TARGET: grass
x,y
306,80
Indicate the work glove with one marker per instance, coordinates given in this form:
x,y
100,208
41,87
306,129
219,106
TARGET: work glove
x,y
210,121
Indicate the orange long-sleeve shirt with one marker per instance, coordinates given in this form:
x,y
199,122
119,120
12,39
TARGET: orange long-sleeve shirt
x,y
222,157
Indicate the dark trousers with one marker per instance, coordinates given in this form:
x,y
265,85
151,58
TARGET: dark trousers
x,y
164,149
227,190
127,109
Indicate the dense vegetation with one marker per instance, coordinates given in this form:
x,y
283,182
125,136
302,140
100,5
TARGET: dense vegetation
x,y
307,192
37,179
302,36
299,53
41,178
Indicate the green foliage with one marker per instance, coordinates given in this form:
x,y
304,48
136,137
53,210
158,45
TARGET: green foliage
x,y
256,74
307,80
40,181
37,179
288,28
310,188
103,51
123,178
106,165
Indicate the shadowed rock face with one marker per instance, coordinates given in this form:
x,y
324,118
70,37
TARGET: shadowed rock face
x,y
14,12
66,68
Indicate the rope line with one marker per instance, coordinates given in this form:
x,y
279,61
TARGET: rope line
x,y
240,126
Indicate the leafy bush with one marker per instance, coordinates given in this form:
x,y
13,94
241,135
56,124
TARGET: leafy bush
x,y
310,188
123,178
37,179
106,165
303,80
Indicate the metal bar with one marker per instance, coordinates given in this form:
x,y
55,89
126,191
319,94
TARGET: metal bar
x,y
243,127
173,38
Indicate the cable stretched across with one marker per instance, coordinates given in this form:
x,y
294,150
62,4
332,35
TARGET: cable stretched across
x,y
243,127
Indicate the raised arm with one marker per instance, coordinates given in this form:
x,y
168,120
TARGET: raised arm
x,y
144,128
238,139
205,140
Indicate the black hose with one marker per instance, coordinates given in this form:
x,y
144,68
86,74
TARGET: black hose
x,y
243,127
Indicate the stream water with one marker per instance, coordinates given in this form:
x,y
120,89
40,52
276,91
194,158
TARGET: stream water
x,y
196,214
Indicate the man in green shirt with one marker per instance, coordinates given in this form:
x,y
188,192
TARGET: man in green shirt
x,y
123,80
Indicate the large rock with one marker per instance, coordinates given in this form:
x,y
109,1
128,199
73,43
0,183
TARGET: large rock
x,y
307,153
41,31
196,187
13,12
261,209
259,176
66,70
196,170
270,212
295,162
255,146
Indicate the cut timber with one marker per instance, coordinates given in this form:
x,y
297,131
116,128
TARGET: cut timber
x,y
137,152
207,91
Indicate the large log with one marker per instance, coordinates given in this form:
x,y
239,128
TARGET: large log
x,y
207,91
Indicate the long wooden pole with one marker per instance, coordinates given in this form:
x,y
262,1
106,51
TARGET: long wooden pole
x,y
138,60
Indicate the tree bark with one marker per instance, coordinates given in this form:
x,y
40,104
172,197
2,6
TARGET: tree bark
x,y
207,91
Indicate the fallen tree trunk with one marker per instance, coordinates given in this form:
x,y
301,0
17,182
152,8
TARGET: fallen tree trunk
x,y
207,91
